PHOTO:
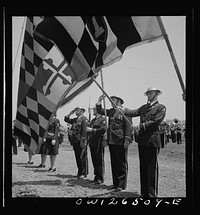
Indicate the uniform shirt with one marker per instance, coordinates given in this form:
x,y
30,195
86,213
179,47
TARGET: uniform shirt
x,y
98,129
151,116
119,130
79,126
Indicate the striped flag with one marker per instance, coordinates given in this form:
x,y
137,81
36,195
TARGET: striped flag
x,y
59,56
44,79
31,118
90,43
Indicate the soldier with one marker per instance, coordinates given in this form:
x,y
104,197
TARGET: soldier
x,y
78,140
178,130
96,134
119,138
149,141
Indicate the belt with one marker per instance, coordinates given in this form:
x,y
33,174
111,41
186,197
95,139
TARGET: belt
x,y
50,134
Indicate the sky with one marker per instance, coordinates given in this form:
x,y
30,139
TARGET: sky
x,y
148,65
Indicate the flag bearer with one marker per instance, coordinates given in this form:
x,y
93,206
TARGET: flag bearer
x,y
79,139
119,138
96,133
149,141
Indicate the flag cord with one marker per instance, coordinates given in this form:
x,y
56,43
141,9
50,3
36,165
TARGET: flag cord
x,y
171,52
19,44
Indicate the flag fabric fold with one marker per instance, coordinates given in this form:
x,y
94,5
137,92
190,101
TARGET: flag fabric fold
x,y
59,56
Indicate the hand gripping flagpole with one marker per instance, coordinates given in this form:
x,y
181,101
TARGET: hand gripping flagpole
x,y
171,53
114,105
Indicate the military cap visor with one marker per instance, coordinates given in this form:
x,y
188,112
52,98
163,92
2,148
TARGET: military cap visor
x,y
116,97
153,89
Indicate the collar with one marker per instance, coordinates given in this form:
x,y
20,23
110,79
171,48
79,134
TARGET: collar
x,y
153,103
79,116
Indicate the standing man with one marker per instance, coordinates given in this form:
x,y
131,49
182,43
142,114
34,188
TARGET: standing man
x,y
96,134
149,141
119,138
178,131
78,140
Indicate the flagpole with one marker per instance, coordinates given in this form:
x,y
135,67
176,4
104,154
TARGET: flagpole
x,y
114,105
171,52
104,104
19,44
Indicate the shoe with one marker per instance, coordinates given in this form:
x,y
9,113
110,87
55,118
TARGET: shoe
x,y
98,182
41,166
112,187
52,170
82,176
118,189
30,162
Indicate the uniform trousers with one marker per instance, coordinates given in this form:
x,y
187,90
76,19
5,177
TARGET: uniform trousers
x,y
178,137
82,162
119,165
97,155
148,170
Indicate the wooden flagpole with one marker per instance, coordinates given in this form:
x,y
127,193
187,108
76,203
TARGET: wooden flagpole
x,y
171,52
104,104
23,27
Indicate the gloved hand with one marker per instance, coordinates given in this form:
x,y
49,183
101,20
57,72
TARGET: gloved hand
x,y
104,141
53,142
83,143
126,144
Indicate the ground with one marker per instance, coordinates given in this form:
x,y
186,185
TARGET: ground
x,y
30,181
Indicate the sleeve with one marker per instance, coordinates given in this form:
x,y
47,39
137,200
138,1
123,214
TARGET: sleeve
x,y
100,131
154,123
84,124
57,124
101,111
128,130
68,120
132,113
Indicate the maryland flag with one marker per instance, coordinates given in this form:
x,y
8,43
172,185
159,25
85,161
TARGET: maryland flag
x,y
59,57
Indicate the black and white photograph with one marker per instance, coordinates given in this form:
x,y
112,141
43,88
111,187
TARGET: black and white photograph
x,y
99,109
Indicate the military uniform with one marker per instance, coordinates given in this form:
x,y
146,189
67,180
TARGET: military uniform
x,y
79,135
119,131
96,148
178,131
149,143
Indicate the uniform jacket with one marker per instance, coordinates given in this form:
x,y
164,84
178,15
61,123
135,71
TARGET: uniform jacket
x,y
119,130
98,129
79,126
151,117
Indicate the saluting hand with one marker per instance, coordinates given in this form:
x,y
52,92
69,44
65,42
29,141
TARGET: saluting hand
x,y
101,98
